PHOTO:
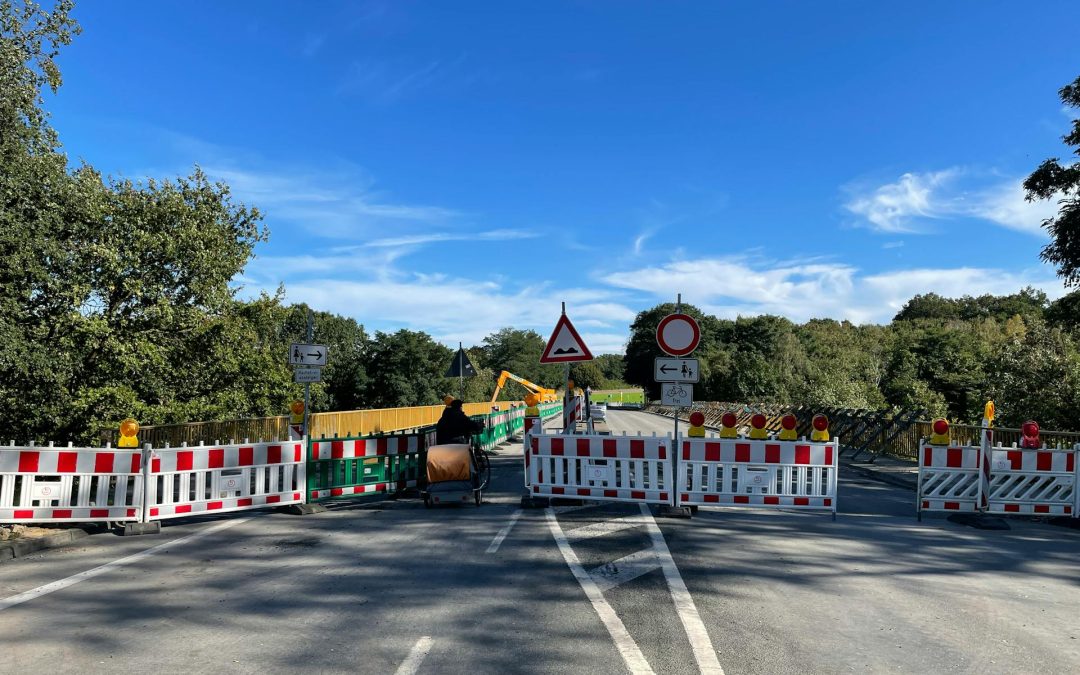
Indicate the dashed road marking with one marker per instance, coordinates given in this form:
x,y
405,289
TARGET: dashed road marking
x,y
416,656
498,540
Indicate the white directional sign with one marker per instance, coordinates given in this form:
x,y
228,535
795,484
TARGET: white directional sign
x,y
675,370
676,394
307,355
307,375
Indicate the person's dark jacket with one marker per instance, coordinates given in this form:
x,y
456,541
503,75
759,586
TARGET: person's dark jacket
x,y
454,423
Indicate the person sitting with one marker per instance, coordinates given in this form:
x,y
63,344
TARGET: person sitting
x,y
455,426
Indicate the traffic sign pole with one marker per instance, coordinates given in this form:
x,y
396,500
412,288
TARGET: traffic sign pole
x,y
307,385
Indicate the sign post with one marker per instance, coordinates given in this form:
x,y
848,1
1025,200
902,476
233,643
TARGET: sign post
x,y
565,346
308,360
677,334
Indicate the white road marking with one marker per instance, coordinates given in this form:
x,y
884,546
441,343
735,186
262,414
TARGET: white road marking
x,y
700,643
628,649
102,569
503,532
625,569
416,656
603,527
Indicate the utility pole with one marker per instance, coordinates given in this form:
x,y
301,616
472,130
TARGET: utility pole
x,y
307,385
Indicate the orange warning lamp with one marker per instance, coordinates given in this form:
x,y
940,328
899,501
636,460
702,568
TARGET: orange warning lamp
x,y
297,410
787,428
531,400
757,427
1030,431
939,432
988,414
820,431
697,425
727,425
129,434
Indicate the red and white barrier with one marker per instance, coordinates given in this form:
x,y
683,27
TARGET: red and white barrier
x,y
572,413
215,479
953,478
603,468
363,448
57,485
758,473
1033,481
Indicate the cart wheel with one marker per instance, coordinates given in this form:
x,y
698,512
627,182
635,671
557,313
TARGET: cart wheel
x,y
478,498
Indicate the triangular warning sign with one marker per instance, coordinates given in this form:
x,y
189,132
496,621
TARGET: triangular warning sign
x,y
461,367
565,344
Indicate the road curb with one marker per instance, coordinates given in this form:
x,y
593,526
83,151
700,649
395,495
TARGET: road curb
x,y
880,476
23,547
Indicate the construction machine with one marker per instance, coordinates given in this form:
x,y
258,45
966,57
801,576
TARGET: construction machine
x,y
546,395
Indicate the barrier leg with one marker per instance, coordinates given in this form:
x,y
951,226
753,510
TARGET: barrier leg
x,y
149,491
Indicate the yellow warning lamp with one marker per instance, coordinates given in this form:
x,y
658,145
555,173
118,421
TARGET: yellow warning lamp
x,y
820,431
939,429
988,414
129,434
697,425
787,428
757,427
531,400
728,422
297,410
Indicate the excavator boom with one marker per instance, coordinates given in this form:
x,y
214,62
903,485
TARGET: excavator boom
x,y
544,393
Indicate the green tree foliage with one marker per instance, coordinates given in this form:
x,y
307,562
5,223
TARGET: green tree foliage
x,y
1065,311
587,374
406,368
614,370
519,352
1055,179
1037,376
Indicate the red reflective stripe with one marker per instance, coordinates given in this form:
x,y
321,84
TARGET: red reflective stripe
x,y
380,446
131,513
686,497
611,447
66,462
273,454
772,500
337,449
583,447
1042,508
556,446
154,511
772,454
741,499
1012,508
557,491
184,460
1016,459
662,452
663,496
926,505
637,449
99,513
183,508
336,492
828,456
61,513
536,444
1044,461
213,506
136,462
928,457
686,450
611,493
103,462
828,502
24,514
247,456
637,494
712,452
216,459
952,506
711,498
155,465
28,462
742,452
1069,464
584,491
954,458
802,501
802,454
297,454
247,502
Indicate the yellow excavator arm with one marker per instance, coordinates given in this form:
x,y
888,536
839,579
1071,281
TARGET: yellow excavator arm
x,y
544,393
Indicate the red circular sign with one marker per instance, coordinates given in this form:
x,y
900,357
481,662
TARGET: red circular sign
x,y
678,334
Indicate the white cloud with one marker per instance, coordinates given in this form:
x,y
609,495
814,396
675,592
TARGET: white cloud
x,y
490,235
734,286
949,194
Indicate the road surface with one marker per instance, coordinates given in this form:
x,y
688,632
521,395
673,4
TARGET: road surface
x,y
392,587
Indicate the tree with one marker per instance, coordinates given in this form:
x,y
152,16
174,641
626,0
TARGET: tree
x,y
406,369
1037,376
613,368
519,352
587,374
1054,179
1065,311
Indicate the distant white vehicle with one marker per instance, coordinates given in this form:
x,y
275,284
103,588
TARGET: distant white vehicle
x,y
598,411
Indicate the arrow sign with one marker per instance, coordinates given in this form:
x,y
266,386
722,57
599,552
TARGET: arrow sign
x,y
307,355
675,370
565,345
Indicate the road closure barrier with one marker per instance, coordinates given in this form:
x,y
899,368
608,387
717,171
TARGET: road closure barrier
x,y
342,467
602,468
953,478
1033,481
67,484
214,479
758,473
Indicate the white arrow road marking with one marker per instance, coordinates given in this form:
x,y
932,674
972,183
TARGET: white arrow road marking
x,y
704,653
628,649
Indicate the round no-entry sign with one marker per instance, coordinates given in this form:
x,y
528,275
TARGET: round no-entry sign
x,y
678,334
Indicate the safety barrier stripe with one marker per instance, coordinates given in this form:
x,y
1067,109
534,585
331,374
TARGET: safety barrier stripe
x,y
948,505
223,505
32,460
1031,509
360,489
365,447
731,451
200,458
941,457
68,514
650,496
703,498
600,447
1058,461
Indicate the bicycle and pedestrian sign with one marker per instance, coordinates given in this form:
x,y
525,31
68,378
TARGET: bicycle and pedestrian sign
x,y
675,370
307,355
677,394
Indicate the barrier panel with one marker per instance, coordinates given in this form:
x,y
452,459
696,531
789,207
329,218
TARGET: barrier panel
x,y
603,468
1033,481
953,478
341,467
758,473
59,485
215,479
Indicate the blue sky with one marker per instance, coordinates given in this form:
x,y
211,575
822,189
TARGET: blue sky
x,y
460,167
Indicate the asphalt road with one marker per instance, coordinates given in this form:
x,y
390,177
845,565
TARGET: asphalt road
x,y
392,587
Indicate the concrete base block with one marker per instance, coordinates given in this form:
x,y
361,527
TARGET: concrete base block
x,y
304,509
134,529
666,511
